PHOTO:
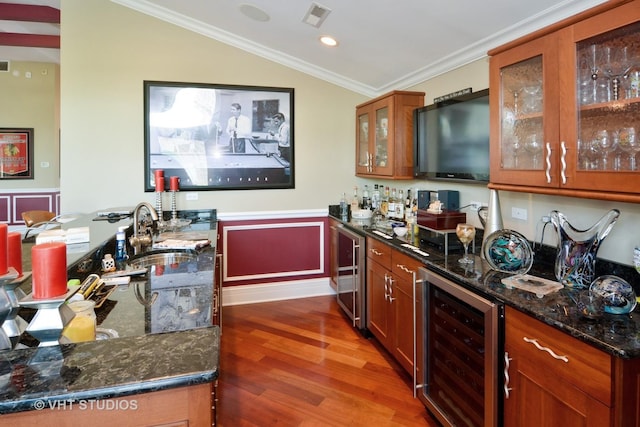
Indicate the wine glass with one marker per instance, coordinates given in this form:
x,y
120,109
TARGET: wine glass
x,y
466,233
590,62
605,144
629,143
617,63
533,145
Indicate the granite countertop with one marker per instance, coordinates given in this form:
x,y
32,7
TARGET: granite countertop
x,y
165,344
618,335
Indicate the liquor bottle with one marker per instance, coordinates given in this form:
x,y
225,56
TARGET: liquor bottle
x,y
392,204
400,205
355,201
375,198
384,203
366,200
344,207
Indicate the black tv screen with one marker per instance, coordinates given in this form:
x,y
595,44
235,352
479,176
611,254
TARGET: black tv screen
x,y
451,138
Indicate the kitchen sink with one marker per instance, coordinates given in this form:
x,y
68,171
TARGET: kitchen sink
x,y
162,257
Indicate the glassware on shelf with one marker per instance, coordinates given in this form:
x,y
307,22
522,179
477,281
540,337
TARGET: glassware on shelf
x,y
532,102
617,64
605,145
629,143
533,146
466,233
590,66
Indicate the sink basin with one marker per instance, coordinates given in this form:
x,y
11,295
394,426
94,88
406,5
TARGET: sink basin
x,y
162,257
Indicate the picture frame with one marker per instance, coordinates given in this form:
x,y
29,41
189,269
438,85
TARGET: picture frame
x,y
218,137
16,153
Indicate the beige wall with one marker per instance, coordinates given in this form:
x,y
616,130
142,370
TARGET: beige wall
x,y
107,52
33,102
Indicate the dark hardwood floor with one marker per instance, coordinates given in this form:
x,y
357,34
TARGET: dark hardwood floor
x,y
300,363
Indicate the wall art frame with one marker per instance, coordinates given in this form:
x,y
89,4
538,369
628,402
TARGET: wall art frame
x,y
219,137
16,153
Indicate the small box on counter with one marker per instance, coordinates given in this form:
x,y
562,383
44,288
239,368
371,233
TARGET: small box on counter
x,y
447,220
69,236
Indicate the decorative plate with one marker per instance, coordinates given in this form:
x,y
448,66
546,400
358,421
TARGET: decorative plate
x,y
508,251
616,294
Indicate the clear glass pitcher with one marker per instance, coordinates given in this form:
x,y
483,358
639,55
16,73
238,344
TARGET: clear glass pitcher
x,y
577,249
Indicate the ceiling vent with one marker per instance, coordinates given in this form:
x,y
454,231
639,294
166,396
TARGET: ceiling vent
x,y
4,66
316,15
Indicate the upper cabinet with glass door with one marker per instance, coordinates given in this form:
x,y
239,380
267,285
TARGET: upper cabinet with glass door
x,y
384,135
565,108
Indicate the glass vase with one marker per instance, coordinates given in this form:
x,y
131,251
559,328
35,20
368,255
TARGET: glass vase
x,y
575,264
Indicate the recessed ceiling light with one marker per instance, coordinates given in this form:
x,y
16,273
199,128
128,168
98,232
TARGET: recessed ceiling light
x,y
328,41
254,12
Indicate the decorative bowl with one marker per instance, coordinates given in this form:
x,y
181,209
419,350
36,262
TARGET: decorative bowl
x,y
400,231
508,251
617,295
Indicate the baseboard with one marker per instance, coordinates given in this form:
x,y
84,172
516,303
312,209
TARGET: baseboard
x,y
277,291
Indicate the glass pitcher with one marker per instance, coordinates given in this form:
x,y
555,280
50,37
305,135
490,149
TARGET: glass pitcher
x,y
575,264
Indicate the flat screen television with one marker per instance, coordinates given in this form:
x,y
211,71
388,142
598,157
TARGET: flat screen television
x,y
451,139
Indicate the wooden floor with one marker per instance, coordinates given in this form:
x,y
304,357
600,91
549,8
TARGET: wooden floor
x,y
300,363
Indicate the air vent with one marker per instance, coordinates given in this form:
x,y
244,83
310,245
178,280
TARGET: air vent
x,y
316,15
4,66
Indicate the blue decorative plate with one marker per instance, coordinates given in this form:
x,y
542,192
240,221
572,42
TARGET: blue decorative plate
x,y
508,251
616,294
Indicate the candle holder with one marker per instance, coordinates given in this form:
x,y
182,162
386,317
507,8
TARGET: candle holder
x,y
175,223
50,319
159,208
14,325
5,308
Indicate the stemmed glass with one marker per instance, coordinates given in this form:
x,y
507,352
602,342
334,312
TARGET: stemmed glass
x,y
466,233
533,146
603,142
591,60
617,64
629,143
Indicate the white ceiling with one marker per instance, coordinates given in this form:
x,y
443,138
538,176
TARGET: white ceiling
x,y
383,44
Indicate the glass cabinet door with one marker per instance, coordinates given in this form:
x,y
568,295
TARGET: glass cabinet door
x,y
522,119
608,96
381,152
364,159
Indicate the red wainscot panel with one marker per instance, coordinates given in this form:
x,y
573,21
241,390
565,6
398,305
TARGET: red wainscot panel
x,y
275,250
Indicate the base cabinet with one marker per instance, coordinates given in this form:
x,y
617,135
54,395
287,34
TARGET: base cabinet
x,y
553,379
393,301
184,407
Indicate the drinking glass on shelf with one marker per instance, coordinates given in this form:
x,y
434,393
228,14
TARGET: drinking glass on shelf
x,y
617,64
466,233
590,64
629,143
533,146
605,145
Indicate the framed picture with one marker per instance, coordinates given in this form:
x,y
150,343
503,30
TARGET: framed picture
x,y
16,153
218,137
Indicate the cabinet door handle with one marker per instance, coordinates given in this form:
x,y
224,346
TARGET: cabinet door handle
x,y
507,363
391,298
404,268
548,350
563,161
548,162
370,162
386,287
375,252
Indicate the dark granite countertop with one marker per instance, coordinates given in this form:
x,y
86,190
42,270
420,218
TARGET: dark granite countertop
x,y
618,335
165,344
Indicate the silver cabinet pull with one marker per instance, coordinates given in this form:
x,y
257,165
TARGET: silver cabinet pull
x,y
375,252
507,363
548,162
548,350
563,161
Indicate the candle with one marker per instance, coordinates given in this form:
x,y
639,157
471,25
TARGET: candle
x,y
158,173
49,270
159,184
3,249
15,251
174,183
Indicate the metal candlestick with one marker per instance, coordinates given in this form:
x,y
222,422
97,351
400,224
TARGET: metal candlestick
x,y
159,208
174,211
15,325
50,319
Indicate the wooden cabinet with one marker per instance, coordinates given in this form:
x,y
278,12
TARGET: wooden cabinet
x,y
393,301
564,103
553,377
384,135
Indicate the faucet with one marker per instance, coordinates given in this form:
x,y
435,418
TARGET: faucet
x,y
141,235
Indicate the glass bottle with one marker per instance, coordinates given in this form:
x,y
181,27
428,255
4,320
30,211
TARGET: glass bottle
x,y
391,208
366,200
400,205
355,200
344,207
384,203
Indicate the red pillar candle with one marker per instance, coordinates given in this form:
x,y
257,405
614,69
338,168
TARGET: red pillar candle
x,y
159,184
14,252
4,269
49,270
158,173
174,184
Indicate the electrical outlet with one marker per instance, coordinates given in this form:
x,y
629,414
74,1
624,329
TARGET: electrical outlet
x,y
192,196
475,205
519,213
